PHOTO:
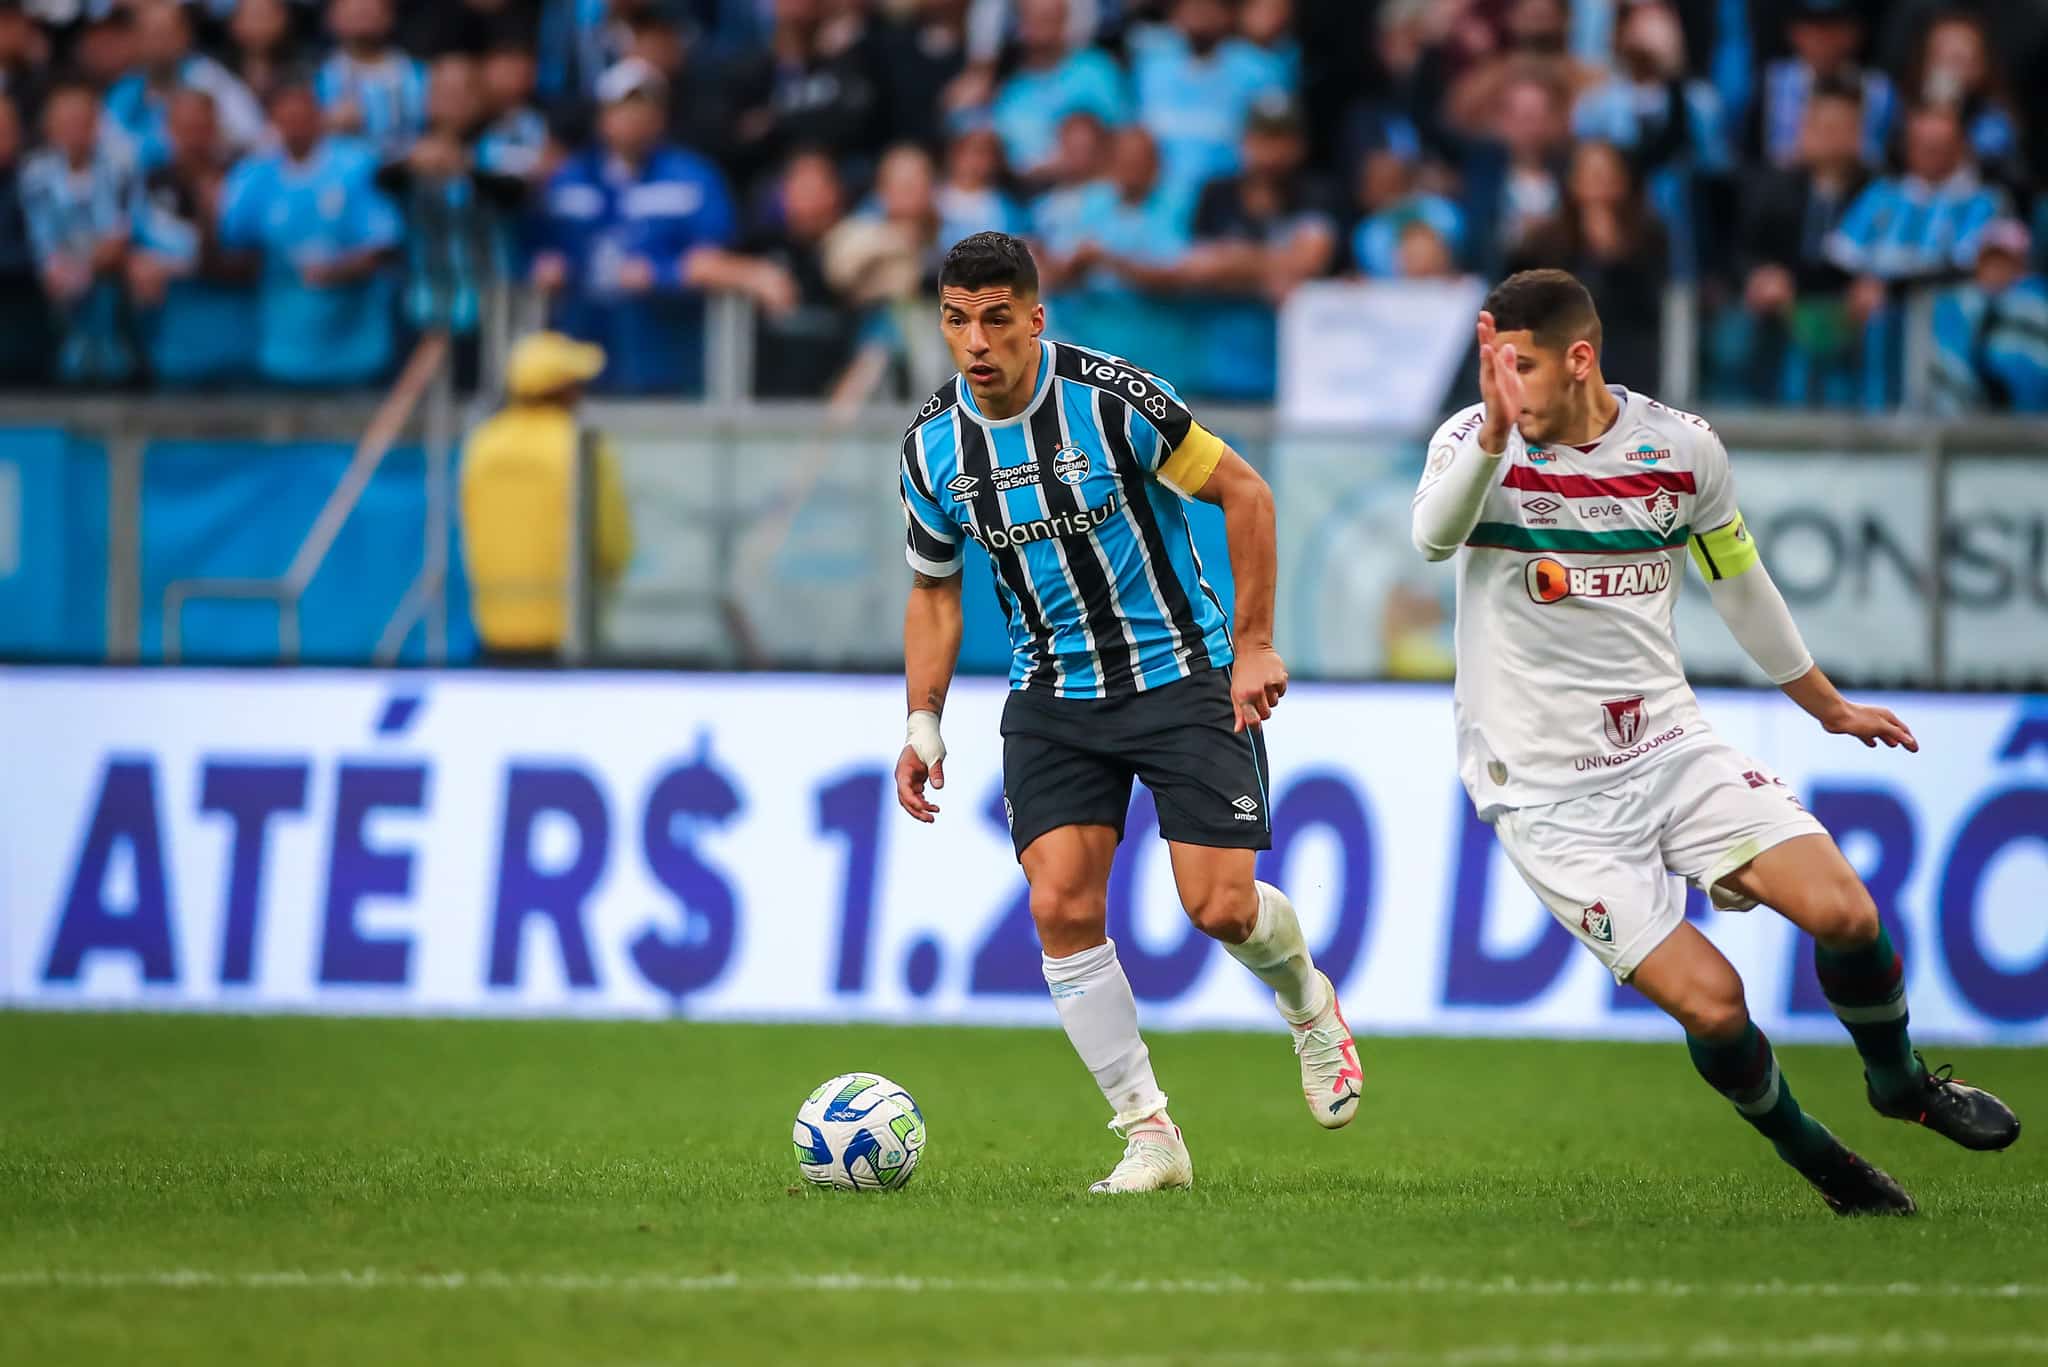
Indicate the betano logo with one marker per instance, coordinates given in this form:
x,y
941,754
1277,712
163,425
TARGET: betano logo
x,y
1550,581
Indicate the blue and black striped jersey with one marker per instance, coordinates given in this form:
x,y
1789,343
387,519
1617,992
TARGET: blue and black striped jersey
x,y
1078,502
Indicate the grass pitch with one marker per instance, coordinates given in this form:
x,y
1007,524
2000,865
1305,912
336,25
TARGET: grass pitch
x,y
225,1190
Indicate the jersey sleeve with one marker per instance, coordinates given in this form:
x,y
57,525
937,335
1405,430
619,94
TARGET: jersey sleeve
x,y
932,539
1185,453
1721,545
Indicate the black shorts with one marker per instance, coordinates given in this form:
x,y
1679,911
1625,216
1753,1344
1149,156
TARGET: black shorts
x,y
1070,762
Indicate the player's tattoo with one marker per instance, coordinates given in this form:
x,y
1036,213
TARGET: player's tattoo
x,y
920,580
935,699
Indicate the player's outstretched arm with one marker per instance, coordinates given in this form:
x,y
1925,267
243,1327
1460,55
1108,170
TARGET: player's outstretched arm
x,y
931,649
1258,679
1466,454
1816,693
1757,617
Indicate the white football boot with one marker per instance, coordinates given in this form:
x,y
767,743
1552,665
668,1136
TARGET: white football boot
x,y
1155,1158
1331,1079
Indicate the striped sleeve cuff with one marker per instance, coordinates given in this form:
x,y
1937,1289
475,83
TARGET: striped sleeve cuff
x,y
937,569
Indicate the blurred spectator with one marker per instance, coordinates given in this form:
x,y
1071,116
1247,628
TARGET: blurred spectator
x,y
1991,332
1953,65
515,140
264,50
1532,33
1388,196
1272,226
1195,82
1052,79
325,238
1424,254
25,341
24,62
1921,225
1826,37
195,304
1513,180
1133,232
973,198
820,84
456,211
801,350
369,87
104,49
1608,238
907,197
1400,112
1793,340
519,477
1671,125
624,222
925,56
1257,236
575,46
698,115
1269,26
136,104
78,194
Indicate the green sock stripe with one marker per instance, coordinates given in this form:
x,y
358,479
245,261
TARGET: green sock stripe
x,y
1872,976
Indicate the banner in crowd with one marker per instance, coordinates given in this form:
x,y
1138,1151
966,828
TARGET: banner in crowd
x,y
729,847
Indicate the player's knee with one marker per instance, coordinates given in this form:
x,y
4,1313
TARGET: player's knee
x,y
1714,1014
1069,917
1224,911
1840,912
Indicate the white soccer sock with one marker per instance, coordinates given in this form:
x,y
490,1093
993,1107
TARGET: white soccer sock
x,y
1278,954
1101,1018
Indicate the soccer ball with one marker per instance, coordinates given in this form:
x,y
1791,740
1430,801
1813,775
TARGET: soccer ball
x,y
858,1131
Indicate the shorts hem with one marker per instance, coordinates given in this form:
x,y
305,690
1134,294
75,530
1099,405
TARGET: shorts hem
x,y
1744,852
1217,840
1630,958
1021,838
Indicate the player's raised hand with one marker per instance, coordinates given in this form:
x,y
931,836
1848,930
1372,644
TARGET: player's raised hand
x,y
1871,725
1500,385
1258,681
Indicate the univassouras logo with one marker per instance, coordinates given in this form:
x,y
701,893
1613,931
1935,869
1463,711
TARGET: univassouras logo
x,y
1551,581
1081,523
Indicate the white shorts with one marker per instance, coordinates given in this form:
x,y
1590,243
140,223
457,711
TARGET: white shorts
x,y
1603,863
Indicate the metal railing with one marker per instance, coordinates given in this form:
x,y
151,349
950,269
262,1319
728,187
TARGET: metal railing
x,y
425,372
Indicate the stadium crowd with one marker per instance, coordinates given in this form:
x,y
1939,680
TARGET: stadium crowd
x,y
225,192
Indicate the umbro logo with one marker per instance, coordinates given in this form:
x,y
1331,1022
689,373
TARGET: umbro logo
x,y
1247,809
1543,507
963,486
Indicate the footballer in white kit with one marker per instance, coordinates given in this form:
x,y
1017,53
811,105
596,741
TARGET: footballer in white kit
x,y
1571,507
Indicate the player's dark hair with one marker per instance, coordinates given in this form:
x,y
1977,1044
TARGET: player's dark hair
x,y
986,260
1836,88
1551,305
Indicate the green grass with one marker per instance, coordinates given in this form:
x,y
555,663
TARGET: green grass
x,y
623,1193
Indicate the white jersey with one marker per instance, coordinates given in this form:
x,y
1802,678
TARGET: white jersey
x,y
1569,678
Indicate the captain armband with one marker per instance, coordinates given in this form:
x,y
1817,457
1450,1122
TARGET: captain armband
x,y
1188,468
1725,552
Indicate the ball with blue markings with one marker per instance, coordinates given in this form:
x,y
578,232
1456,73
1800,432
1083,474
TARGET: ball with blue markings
x,y
859,1132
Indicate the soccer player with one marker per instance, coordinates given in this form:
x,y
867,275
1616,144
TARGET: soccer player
x,y
1068,467
1567,502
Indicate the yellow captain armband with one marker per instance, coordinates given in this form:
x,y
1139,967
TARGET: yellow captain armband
x,y
1193,461
1725,552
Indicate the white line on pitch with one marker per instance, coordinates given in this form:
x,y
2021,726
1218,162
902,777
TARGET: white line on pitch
x,y
686,1284
1816,1347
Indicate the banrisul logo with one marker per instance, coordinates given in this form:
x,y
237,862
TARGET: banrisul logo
x,y
1082,523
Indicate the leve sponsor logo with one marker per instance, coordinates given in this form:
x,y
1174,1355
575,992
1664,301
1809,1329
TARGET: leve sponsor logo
x,y
1551,581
